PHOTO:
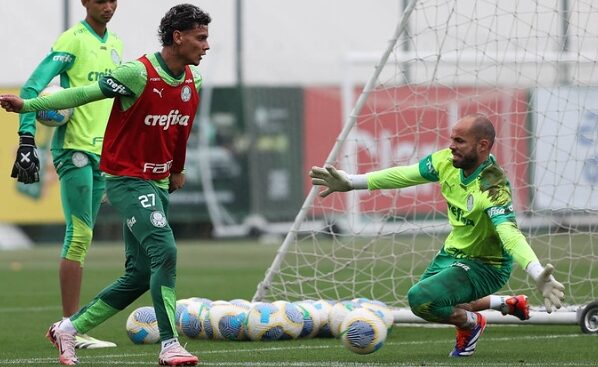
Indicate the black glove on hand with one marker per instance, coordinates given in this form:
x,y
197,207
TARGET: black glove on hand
x,y
26,167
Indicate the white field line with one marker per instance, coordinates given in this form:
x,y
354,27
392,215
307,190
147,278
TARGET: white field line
x,y
117,359
29,309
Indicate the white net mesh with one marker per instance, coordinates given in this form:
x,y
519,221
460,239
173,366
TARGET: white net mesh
x,y
531,67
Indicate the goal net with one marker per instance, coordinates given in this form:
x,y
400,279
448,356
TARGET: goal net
x,y
531,67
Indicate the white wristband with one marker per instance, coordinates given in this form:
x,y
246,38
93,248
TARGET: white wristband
x,y
358,182
534,269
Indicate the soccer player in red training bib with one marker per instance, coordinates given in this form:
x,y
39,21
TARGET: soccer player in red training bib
x,y
143,156
477,256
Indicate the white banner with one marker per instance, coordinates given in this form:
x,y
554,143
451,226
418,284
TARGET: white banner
x,y
565,148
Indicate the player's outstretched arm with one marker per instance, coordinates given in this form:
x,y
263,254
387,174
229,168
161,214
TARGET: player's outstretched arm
x,y
67,98
331,178
11,103
551,289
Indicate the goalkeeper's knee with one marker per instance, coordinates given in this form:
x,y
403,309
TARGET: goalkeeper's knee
x,y
425,306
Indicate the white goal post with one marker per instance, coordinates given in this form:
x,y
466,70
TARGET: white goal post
x,y
531,66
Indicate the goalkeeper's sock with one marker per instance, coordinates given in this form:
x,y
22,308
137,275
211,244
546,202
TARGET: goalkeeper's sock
x,y
498,303
471,322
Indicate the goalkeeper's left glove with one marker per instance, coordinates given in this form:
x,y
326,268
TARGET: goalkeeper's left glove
x,y
333,179
552,291
26,166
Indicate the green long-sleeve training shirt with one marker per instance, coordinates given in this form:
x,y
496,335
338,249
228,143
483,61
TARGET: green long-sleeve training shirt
x,y
480,209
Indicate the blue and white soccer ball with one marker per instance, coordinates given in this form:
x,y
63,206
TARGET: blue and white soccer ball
x,y
142,326
181,305
227,321
243,303
53,118
337,315
311,319
274,321
380,309
193,321
363,332
324,307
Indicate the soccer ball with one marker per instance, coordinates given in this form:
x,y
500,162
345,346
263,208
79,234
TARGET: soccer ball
x,y
142,326
324,307
243,303
380,309
205,301
311,319
362,331
337,315
274,321
53,118
181,305
227,321
193,321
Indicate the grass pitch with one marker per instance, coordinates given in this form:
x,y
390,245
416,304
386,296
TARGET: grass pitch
x,y
228,270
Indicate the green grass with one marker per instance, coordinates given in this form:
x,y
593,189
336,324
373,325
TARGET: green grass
x,y
227,270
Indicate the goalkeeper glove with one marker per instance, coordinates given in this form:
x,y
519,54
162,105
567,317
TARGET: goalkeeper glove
x,y
26,167
551,290
333,179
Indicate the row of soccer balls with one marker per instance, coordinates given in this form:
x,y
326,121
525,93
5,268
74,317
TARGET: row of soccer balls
x,y
361,324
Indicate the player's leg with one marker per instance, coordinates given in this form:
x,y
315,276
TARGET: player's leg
x,y
76,186
434,299
81,186
508,305
145,206
107,303
447,283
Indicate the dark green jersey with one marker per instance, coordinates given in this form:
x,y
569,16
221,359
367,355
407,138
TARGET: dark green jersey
x,y
479,207
80,57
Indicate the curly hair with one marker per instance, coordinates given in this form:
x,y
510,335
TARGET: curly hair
x,y
181,17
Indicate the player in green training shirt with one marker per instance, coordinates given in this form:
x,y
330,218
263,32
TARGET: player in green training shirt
x,y
144,150
80,56
476,259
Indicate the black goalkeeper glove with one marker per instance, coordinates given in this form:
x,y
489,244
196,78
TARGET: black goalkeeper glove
x,y
26,167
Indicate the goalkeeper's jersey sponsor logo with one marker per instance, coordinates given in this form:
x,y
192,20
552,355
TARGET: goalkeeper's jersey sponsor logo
x,y
497,211
459,215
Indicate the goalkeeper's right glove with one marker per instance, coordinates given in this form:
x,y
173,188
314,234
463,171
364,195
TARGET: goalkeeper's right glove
x,y
26,167
333,179
552,291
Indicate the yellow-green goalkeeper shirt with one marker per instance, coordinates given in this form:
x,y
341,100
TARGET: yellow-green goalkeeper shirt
x,y
479,207
80,57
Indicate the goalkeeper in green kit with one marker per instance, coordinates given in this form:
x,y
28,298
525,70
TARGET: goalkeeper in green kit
x,y
80,56
477,256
